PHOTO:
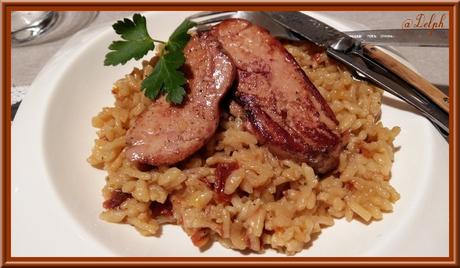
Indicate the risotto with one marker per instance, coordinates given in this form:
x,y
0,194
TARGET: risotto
x,y
234,190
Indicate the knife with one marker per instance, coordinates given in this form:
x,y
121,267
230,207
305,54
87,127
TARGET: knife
x,y
403,37
372,64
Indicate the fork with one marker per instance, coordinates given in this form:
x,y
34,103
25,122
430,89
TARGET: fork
x,y
206,19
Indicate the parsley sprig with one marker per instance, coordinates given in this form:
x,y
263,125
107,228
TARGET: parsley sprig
x,y
166,77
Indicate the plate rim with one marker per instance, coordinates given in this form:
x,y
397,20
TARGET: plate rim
x,y
41,80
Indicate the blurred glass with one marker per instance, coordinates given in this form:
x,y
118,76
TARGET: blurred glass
x,y
37,27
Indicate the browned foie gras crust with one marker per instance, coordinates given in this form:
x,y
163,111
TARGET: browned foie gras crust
x,y
284,108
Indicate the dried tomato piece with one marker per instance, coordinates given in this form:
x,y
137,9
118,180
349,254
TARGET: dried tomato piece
x,y
223,170
116,199
159,209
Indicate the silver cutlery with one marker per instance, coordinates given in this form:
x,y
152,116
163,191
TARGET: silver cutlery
x,y
392,37
403,37
365,61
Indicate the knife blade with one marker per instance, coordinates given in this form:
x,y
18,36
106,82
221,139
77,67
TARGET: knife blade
x,y
394,37
403,37
307,27
349,51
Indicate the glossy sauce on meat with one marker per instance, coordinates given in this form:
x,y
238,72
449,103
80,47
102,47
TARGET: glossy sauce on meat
x,y
284,108
165,134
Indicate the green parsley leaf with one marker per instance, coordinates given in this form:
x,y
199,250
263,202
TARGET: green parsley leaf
x,y
174,58
179,37
153,83
166,77
136,44
176,96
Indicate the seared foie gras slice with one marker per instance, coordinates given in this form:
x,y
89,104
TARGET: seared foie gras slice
x,y
284,108
165,134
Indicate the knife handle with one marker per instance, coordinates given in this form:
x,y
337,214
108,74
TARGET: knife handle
x,y
420,83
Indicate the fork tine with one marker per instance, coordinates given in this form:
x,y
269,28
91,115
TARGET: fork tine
x,y
215,19
206,13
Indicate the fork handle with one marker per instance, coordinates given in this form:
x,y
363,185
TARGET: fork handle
x,y
420,83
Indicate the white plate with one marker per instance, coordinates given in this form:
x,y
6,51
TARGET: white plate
x,y
56,194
